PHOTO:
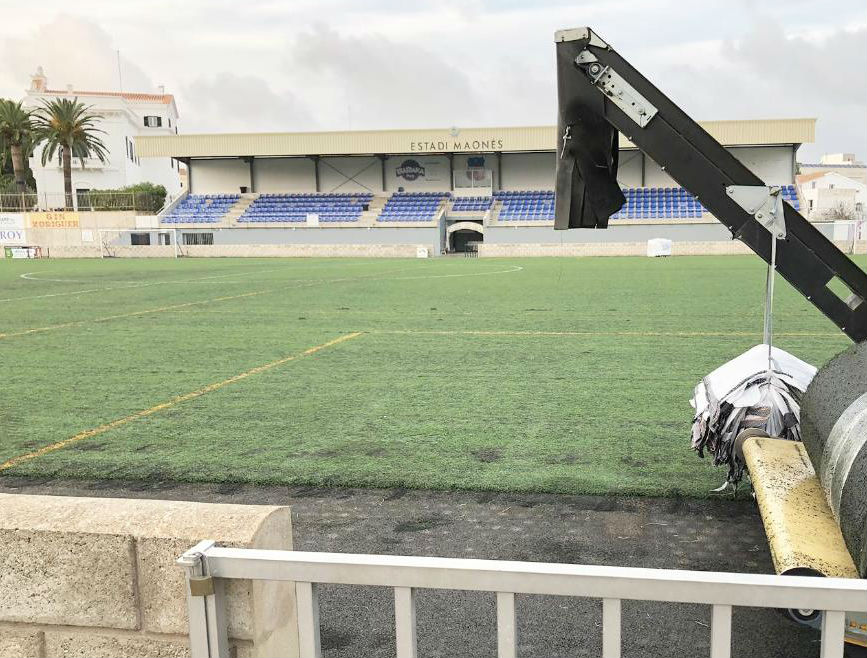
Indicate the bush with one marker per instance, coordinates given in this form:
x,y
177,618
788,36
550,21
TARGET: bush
x,y
141,197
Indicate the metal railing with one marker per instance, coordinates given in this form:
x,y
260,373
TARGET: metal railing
x,y
208,565
145,204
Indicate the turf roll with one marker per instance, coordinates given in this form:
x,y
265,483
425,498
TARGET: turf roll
x,y
834,432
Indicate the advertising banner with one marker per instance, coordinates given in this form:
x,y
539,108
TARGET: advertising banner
x,y
53,219
12,236
20,252
11,221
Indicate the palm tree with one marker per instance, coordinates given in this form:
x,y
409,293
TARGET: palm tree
x,y
68,127
16,134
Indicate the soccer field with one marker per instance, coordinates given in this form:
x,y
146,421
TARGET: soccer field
x,y
556,375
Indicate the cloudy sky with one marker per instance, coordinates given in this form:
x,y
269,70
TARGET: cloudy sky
x,y
289,65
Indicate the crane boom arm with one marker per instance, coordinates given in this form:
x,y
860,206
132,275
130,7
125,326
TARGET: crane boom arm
x,y
601,94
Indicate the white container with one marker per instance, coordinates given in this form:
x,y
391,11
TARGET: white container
x,y
658,247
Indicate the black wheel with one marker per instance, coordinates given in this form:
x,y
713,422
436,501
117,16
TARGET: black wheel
x,y
810,618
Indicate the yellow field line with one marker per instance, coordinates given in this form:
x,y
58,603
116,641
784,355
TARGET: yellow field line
x,y
146,311
669,334
77,323
14,461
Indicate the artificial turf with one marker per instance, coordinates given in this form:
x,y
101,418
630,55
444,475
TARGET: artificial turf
x,y
557,375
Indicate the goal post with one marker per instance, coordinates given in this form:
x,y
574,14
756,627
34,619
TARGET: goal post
x,y
138,243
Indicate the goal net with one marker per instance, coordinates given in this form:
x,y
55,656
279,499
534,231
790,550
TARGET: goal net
x,y
139,243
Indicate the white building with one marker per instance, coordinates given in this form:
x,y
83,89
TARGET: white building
x,y
829,195
125,115
842,163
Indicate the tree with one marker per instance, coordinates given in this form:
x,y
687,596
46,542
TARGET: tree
x,y
68,128
840,211
16,134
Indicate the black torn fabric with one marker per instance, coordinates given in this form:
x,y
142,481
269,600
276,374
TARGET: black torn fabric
x,y
588,148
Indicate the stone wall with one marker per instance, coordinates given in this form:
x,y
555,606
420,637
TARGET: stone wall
x,y
97,577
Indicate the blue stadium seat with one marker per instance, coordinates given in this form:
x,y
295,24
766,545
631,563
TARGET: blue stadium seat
x,y
294,207
200,209
412,206
526,205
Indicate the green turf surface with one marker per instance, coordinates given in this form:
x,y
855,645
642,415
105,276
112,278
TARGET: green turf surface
x,y
453,384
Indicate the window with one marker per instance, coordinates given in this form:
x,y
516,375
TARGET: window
x,y
140,239
198,238
152,121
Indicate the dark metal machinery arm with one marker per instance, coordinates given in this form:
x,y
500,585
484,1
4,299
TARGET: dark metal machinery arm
x,y
598,92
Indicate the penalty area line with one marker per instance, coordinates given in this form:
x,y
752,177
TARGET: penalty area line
x,y
86,434
628,334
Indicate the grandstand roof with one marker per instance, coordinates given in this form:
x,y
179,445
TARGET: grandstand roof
x,y
438,140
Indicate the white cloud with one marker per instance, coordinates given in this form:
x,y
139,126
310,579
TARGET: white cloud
x,y
272,65
72,51
226,102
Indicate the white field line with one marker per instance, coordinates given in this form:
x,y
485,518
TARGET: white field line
x,y
231,276
303,284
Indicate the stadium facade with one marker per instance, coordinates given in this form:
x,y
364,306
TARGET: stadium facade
x,y
383,162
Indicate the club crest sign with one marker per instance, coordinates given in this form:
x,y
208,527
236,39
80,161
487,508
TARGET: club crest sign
x,y
410,170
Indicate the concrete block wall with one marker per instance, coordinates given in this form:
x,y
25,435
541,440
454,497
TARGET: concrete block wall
x,y
97,577
685,248
306,250
608,249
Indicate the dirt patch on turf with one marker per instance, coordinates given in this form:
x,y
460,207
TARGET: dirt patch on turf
x,y
421,523
366,448
88,446
568,458
488,455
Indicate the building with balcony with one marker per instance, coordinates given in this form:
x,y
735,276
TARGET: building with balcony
x,y
124,116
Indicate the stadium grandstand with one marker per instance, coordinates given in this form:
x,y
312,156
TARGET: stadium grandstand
x,y
410,193
456,188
